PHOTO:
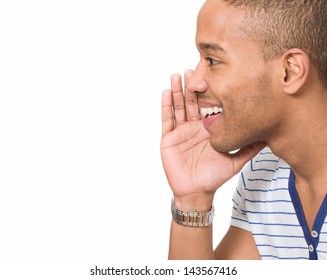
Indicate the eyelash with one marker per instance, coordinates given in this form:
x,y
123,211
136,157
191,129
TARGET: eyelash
x,y
212,62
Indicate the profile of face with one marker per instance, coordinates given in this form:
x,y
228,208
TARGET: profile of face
x,y
233,79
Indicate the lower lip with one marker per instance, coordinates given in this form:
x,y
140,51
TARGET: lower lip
x,y
208,121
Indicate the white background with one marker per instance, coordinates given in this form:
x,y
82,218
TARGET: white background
x,y
80,89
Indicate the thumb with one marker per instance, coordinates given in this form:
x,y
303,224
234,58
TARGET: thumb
x,y
246,153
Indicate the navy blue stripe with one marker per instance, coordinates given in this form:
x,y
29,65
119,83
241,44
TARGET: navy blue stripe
x,y
278,235
241,220
284,258
265,153
274,224
266,190
270,213
319,221
266,160
268,169
267,180
242,212
262,180
300,214
266,224
284,167
242,175
268,201
261,169
282,247
235,202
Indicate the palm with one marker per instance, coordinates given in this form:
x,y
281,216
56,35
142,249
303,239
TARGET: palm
x,y
191,163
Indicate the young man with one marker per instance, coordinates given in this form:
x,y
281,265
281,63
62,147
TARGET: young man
x,y
260,87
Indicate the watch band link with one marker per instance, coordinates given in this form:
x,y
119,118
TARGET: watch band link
x,y
192,218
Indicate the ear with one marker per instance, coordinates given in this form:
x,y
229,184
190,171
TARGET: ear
x,y
296,66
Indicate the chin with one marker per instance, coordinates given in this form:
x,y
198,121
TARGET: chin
x,y
230,144
222,147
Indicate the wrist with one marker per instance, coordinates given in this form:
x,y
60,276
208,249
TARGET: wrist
x,y
200,202
192,218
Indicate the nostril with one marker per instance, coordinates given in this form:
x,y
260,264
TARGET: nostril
x,y
200,94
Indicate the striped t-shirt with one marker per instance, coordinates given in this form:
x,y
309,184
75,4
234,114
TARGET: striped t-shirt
x,y
267,204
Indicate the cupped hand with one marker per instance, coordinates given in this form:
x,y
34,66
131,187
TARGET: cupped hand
x,y
192,166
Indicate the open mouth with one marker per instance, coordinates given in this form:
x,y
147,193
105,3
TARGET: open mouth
x,y
210,112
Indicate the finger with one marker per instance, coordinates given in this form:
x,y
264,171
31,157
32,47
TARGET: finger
x,y
167,114
178,99
191,100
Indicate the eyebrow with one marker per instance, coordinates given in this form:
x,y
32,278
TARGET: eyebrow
x,y
211,46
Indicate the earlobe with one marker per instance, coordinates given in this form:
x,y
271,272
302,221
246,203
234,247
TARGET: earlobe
x,y
295,70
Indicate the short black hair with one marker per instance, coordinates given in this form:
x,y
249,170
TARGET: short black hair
x,y
284,24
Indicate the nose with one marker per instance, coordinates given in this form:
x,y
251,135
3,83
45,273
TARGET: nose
x,y
195,82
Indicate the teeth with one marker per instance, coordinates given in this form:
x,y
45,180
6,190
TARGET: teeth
x,y
207,112
217,110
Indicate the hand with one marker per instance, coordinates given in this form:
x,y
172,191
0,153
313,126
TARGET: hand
x,y
193,168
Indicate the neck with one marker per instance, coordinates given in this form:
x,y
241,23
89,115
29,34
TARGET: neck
x,y
302,143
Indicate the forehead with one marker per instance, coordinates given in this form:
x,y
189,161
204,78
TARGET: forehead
x,y
220,23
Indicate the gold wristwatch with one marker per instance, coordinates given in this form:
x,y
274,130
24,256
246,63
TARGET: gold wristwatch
x,y
192,218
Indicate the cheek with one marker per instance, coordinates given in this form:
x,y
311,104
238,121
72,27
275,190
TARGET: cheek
x,y
244,90
246,105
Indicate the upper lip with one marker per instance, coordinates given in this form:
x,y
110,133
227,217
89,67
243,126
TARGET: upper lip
x,y
203,104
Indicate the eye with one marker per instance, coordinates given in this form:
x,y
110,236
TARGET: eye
x,y
212,61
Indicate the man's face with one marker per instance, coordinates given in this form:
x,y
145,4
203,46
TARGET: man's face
x,y
233,77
